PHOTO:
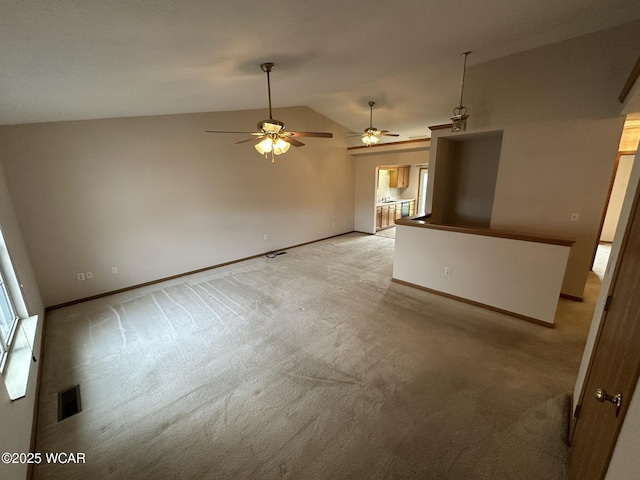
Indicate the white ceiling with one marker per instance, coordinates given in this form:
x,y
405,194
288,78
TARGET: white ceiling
x,y
83,59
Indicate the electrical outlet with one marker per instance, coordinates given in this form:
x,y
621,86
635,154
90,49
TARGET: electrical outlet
x,y
88,275
447,271
80,277
334,224
575,217
114,270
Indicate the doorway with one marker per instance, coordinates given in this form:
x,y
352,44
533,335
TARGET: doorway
x,y
624,164
625,159
423,175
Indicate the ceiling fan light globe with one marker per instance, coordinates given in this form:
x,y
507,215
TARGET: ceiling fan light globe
x,y
280,146
265,146
369,139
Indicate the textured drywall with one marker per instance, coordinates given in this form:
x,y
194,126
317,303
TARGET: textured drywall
x,y
550,171
157,196
560,136
513,275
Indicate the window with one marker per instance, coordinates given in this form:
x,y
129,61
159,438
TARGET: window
x,y
8,322
17,329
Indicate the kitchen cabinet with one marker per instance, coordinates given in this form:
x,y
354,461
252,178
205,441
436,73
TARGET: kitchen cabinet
x,y
382,217
392,215
399,177
398,212
387,214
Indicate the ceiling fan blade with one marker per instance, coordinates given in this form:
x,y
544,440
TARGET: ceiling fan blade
x,y
354,135
224,131
293,141
248,140
311,134
384,134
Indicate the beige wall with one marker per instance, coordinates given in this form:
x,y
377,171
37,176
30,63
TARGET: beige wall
x,y
16,417
577,78
366,166
547,172
482,269
471,166
560,136
156,196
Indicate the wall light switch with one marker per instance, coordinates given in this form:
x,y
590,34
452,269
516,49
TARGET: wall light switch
x,y
114,270
575,217
88,275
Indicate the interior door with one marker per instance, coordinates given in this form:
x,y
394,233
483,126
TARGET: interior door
x,y
614,366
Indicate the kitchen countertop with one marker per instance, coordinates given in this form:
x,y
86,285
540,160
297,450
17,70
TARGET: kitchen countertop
x,y
393,202
424,221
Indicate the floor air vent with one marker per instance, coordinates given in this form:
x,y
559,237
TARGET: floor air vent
x,y
69,402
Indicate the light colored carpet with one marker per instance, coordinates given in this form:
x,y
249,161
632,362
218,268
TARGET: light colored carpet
x,y
310,365
387,232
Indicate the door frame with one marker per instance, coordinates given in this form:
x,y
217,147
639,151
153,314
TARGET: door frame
x,y
606,204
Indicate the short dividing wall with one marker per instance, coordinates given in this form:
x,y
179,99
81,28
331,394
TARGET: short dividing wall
x,y
515,276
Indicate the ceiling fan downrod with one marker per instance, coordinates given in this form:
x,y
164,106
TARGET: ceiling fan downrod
x,y
267,67
371,104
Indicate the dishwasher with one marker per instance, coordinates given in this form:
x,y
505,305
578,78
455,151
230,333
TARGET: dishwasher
x,y
404,212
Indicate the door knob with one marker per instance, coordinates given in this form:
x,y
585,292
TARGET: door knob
x,y
602,396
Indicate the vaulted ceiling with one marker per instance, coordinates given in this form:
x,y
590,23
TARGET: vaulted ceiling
x,y
79,59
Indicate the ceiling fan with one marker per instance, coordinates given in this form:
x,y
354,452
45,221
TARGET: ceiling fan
x,y
371,134
271,135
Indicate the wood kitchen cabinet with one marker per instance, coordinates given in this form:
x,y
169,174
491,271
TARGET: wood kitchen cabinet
x,y
382,217
398,212
385,216
399,177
